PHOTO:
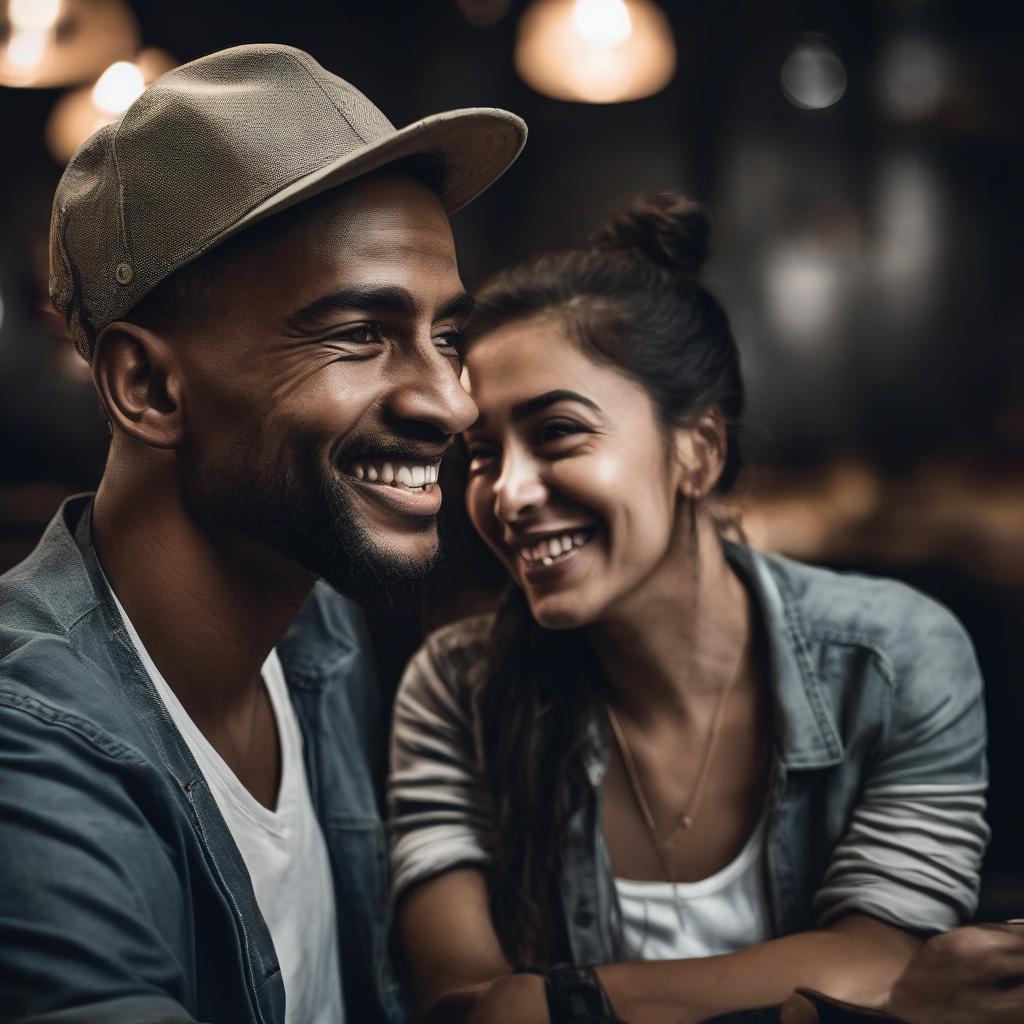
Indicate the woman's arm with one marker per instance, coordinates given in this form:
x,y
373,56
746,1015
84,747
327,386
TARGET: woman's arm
x,y
856,959
449,941
459,973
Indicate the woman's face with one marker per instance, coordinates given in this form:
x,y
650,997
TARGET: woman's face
x,y
571,482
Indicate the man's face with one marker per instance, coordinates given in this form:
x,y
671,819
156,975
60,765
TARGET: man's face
x,y
323,387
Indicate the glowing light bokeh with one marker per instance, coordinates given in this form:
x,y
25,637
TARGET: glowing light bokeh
x,y
26,47
64,42
595,51
118,88
602,22
33,13
915,78
813,76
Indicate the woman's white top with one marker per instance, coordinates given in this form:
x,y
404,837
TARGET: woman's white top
x,y
283,849
719,914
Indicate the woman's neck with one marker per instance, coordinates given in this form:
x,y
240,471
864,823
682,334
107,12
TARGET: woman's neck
x,y
671,647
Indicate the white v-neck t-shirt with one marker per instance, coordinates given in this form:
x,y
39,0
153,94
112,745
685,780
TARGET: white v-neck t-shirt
x,y
719,914
283,849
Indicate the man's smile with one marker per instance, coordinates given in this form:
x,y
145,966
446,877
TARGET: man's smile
x,y
408,486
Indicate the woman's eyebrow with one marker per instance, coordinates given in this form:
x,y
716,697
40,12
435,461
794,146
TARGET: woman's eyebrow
x,y
534,405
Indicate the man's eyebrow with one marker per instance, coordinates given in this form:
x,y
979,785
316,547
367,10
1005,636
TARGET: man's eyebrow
x,y
351,300
384,300
458,306
534,405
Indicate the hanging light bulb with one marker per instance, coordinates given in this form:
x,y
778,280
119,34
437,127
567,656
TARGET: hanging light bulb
x,y
595,51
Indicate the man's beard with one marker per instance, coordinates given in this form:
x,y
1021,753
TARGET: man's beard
x,y
300,508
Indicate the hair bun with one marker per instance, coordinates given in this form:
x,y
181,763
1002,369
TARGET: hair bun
x,y
664,227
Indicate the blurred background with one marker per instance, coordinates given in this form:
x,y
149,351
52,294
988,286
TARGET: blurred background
x,y
862,163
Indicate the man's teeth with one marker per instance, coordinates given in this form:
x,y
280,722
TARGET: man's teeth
x,y
547,550
406,474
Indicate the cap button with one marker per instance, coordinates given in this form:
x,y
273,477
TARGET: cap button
x,y
124,273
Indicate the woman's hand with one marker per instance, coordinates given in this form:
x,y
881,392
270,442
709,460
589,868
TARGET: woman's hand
x,y
972,975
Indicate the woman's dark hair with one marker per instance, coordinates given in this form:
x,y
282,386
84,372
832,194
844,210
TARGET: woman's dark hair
x,y
630,297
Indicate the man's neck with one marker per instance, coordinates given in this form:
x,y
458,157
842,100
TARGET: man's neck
x,y
207,609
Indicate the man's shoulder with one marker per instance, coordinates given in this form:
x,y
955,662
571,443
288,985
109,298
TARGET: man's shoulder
x,y
50,591
52,692
59,677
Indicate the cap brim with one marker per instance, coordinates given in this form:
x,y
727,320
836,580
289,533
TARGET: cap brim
x,y
475,146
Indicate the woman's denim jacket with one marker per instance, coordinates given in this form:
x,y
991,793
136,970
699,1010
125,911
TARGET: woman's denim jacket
x,y
122,894
876,795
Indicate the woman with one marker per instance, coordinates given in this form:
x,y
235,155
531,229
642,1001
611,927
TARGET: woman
x,y
664,746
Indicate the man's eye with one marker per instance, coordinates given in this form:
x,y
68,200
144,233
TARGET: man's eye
x,y
360,334
450,341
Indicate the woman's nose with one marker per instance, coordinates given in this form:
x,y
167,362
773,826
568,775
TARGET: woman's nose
x,y
519,490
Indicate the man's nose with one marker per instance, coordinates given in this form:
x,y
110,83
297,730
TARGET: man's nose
x,y
519,489
428,391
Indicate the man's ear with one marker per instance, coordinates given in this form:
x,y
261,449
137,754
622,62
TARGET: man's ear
x,y
701,447
139,383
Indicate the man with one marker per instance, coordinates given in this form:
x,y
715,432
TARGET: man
x,y
260,270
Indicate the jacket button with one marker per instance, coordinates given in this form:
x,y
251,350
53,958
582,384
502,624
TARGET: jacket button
x,y
124,273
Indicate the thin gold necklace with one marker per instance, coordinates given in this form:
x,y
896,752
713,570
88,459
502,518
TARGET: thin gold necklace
x,y
690,811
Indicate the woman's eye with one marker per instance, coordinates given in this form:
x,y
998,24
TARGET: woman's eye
x,y
556,430
480,456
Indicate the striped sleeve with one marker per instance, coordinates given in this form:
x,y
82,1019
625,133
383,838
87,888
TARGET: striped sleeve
x,y
912,852
439,812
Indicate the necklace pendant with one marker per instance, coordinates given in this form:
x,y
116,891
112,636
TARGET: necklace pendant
x,y
685,821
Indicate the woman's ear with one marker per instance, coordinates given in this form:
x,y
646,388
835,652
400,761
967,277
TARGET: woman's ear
x,y
139,383
701,447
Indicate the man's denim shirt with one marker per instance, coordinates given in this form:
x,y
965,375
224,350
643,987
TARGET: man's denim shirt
x,y
123,897
875,798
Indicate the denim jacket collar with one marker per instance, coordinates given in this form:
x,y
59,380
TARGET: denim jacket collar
x,y
806,735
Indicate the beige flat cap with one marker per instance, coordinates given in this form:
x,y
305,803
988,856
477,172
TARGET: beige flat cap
x,y
220,143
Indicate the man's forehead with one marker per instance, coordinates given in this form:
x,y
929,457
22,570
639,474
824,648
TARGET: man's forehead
x,y
385,204
387,232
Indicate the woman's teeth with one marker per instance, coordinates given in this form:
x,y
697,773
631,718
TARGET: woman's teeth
x,y
396,474
551,549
